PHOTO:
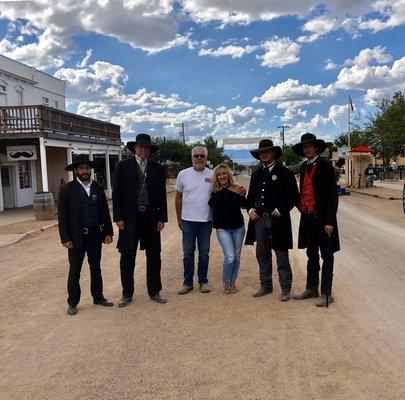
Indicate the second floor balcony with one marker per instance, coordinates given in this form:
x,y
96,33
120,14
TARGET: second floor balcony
x,y
38,120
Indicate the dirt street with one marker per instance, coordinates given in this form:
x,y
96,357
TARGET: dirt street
x,y
210,346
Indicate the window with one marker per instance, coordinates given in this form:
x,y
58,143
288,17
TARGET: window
x,y
45,101
24,174
20,95
3,86
56,104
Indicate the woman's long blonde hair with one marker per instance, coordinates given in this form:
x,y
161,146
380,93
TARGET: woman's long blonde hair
x,y
216,186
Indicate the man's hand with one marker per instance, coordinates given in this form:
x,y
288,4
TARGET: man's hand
x,y
253,215
241,190
108,239
121,225
276,213
160,226
68,245
179,224
328,229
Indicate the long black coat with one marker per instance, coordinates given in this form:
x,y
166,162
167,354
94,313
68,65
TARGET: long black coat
x,y
70,212
282,193
125,199
326,205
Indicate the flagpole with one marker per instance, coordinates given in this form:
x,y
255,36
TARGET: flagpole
x,y
349,175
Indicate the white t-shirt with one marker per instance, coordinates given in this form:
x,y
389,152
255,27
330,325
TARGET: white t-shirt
x,y
196,189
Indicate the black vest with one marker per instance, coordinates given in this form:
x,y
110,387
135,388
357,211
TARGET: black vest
x,y
90,208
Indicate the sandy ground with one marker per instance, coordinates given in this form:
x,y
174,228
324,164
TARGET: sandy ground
x,y
210,346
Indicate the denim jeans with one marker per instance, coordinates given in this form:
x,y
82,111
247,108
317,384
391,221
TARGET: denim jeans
x,y
231,241
192,232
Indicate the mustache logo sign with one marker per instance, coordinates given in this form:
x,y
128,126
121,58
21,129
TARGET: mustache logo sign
x,y
20,154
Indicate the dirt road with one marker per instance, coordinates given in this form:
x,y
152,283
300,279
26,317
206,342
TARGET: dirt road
x,y
209,346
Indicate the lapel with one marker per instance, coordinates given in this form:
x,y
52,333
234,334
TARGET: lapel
x,y
133,170
77,188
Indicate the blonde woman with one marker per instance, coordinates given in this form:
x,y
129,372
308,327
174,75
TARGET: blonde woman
x,y
226,200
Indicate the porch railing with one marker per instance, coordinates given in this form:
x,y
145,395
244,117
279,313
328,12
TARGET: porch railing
x,y
40,120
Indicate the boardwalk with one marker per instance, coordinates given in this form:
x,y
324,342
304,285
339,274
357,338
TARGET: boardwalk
x,y
210,346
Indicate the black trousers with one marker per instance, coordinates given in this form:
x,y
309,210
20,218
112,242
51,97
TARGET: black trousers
x,y
146,231
264,258
318,242
92,244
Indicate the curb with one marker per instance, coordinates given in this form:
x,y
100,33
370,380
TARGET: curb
x,y
375,195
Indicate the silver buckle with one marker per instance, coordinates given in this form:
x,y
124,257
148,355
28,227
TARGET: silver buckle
x,y
266,215
101,227
85,231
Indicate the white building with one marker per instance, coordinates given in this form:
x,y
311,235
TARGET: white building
x,y
38,138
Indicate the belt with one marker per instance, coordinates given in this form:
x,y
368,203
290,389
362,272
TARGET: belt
x,y
91,230
309,212
142,208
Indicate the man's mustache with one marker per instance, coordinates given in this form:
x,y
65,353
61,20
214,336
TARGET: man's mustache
x,y
19,154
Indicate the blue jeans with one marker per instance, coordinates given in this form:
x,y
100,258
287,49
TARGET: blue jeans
x,y
231,241
192,232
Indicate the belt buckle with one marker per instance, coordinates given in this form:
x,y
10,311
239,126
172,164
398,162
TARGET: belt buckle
x,y
141,208
101,227
85,231
266,215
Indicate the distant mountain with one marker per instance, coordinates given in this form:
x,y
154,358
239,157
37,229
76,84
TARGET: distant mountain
x,y
241,156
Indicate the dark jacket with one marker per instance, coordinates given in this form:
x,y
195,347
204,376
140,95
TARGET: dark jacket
x,y
70,209
125,198
281,192
326,204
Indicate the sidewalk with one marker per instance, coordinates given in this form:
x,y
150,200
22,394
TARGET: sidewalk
x,y
382,190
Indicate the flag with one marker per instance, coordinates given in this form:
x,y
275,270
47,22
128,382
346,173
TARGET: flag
x,y
351,103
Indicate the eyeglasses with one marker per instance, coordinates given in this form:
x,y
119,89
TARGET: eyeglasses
x,y
199,155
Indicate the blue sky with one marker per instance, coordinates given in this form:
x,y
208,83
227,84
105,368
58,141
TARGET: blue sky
x,y
224,68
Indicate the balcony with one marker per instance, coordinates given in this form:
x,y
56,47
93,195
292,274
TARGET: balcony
x,y
42,121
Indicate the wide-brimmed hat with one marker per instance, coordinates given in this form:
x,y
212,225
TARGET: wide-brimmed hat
x,y
266,144
144,140
309,138
81,159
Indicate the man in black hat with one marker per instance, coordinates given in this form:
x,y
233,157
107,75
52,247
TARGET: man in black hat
x,y
84,224
318,229
140,212
272,194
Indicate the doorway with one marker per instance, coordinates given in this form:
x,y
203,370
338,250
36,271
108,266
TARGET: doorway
x,y
7,186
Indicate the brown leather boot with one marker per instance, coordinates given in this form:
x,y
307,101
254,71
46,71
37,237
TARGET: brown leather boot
x,y
232,287
227,288
306,294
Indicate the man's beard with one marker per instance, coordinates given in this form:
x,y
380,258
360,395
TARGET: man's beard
x,y
84,177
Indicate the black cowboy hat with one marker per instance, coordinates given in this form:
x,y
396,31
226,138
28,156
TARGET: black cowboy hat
x,y
144,140
81,159
266,144
309,138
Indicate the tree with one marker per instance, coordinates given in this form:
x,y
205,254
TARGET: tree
x,y
386,129
290,157
172,150
215,154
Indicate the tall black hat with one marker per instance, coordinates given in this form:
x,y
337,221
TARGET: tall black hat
x,y
309,138
266,144
144,140
81,159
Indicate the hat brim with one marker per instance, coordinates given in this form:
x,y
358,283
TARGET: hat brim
x,y
131,147
319,143
71,167
277,149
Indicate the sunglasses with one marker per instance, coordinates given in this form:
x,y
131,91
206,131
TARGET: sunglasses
x,y
199,155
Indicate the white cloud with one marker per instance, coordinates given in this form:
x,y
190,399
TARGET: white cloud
x,y
367,56
291,94
231,50
279,52
338,115
318,27
291,114
85,61
392,12
329,64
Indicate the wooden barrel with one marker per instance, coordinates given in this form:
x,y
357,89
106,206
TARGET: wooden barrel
x,y
44,206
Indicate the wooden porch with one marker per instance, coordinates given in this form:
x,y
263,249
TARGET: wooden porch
x,y
41,121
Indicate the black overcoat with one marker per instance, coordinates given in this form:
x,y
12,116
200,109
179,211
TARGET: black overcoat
x,y
125,199
70,212
326,205
281,193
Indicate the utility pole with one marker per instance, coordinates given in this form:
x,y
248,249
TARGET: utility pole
x,y
183,133
283,127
